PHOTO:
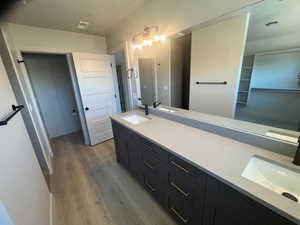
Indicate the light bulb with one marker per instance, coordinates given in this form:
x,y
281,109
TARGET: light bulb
x,y
145,42
140,47
157,38
163,38
150,42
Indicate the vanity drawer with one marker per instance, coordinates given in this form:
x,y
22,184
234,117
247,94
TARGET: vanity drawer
x,y
153,150
181,210
182,187
177,165
149,162
154,185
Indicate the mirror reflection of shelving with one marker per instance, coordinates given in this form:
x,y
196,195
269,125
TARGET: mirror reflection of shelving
x,y
245,80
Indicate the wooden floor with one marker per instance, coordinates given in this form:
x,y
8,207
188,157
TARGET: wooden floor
x,y
90,188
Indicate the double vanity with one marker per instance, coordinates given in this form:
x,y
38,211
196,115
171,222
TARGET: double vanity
x,y
207,179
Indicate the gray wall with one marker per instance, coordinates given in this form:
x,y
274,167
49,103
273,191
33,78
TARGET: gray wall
x,y
276,109
270,106
50,78
276,70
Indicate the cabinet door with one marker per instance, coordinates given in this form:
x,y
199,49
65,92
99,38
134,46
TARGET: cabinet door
x,y
121,138
115,128
225,206
134,152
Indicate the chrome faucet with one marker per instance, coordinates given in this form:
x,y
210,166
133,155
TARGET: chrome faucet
x,y
297,156
156,104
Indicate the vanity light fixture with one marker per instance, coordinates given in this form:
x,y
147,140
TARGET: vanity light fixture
x,y
147,38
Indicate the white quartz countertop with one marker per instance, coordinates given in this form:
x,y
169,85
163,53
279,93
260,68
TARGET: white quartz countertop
x,y
219,156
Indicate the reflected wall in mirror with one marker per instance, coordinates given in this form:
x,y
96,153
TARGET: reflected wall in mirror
x,y
269,91
242,66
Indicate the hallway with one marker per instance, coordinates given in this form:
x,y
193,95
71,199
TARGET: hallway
x,y
90,188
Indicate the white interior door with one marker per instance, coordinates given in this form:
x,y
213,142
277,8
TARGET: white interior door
x,y
95,80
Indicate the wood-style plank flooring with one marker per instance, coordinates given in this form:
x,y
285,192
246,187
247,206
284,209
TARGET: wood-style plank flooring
x,y
90,188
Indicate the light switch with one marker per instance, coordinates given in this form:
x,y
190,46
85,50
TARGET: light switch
x,y
4,217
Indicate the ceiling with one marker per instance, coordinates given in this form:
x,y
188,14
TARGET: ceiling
x,y
286,12
66,14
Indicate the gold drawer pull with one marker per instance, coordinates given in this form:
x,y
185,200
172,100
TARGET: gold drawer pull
x,y
148,165
180,167
149,186
179,215
185,194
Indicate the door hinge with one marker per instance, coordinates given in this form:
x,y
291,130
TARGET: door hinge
x,y
20,61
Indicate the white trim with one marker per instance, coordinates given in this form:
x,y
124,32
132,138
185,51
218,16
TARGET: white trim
x,y
30,99
51,209
237,81
30,103
170,78
155,78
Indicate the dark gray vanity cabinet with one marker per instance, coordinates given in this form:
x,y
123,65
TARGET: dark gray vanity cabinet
x,y
190,195
225,205
177,185
186,190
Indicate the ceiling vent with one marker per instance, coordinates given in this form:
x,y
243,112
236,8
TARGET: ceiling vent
x,y
83,25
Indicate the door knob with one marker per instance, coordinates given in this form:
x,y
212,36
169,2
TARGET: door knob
x,y
87,108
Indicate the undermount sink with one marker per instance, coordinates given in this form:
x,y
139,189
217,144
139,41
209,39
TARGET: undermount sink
x,y
166,109
275,177
135,119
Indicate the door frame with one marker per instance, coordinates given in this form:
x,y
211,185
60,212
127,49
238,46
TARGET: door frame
x,y
32,105
72,75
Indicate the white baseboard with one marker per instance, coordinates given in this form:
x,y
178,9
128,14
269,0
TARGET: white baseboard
x,y
52,209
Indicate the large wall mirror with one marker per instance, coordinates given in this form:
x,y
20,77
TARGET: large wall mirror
x,y
244,66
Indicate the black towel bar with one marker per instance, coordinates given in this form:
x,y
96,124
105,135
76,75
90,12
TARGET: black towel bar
x,y
15,109
213,83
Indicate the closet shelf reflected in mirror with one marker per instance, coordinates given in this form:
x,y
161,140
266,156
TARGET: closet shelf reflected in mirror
x,y
245,80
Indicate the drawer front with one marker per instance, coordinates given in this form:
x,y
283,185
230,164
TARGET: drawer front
x,y
181,210
153,185
182,187
150,162
153,150
179,166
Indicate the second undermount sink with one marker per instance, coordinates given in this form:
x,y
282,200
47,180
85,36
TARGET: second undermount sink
x,y
166,109
275,177
135,119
